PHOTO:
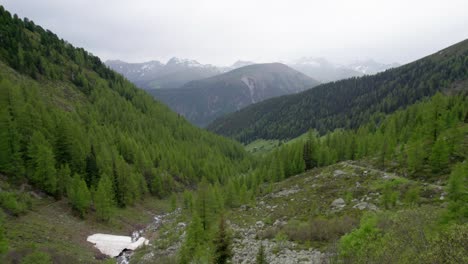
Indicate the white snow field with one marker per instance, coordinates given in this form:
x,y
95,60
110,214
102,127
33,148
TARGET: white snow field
x,y
112,245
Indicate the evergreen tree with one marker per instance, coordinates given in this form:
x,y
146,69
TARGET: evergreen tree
x,y
63,180
42,163
205,204
458,194
195,237
92,171
439,156
79,195
307,155
222,243
104,199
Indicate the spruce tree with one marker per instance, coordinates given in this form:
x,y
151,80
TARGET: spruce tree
x,y
195,237
458,194
42,163
79,195
92,171
439,156
222,243
104,199
307,155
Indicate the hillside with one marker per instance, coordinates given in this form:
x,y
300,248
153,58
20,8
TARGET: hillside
x,y
204,100
348,103
75,131
393,191
156,75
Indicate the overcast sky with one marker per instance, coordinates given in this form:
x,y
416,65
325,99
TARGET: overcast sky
x,y
221,32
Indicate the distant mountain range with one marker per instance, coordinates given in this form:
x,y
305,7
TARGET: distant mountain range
x,y
177,72
349,103
156,75
325,71
201,101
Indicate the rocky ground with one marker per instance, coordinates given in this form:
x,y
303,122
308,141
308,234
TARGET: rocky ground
x,y
335,197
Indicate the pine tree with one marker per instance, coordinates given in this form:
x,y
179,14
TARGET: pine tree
x,y
222,243
63,180
458,194
79,195
92,171
439,156
42,163
307,155
104,199
193,240
416,156
204,203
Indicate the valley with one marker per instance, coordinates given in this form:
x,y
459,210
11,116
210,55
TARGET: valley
x,y
110,163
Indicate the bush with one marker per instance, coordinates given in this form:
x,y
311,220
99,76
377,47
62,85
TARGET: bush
x,y
13,203
320,229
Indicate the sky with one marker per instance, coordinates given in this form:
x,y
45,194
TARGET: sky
x,y
220,32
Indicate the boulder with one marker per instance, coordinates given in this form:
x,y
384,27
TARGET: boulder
x,y
338,203
365,205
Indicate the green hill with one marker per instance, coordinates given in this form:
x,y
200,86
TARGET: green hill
x,y
201,101
65,117
348,103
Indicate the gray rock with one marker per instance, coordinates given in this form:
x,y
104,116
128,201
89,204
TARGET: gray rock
x,y
338,203
365,205
279,223
338,173
259,224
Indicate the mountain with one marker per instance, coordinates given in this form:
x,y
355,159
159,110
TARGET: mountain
x,y
70,125
204,100
236,65
325,71
156,75
371,66
351,102
138,73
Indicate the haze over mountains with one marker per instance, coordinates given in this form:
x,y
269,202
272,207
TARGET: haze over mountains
x,y
188,87
156,75
177,72
201,101
324,71
87,157
348,103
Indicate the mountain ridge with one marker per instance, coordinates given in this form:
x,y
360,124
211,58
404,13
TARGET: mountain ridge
x,y
347,103
201,101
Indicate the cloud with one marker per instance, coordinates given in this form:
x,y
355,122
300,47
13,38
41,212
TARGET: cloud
x,y
220,32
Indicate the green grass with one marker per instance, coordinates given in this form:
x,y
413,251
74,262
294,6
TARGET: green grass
x,y
318,188
262,146
50,226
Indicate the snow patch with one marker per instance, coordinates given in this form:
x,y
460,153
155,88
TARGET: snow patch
x,y
251,84
113,245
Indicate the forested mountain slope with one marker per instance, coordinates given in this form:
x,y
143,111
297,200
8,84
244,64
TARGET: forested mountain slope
x,y
204,100
397,183
348,103
71,126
